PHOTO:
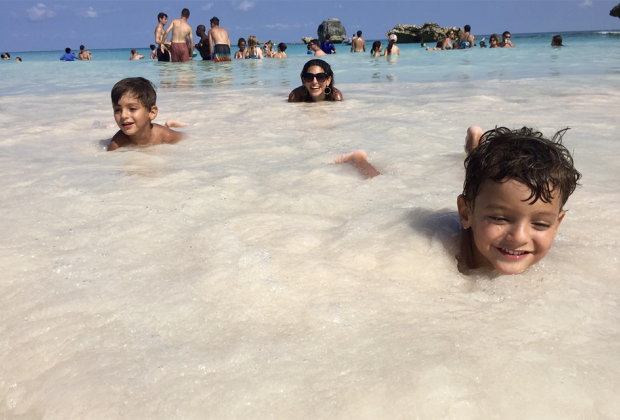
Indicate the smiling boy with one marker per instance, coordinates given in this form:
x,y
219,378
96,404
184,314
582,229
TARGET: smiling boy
x,y
133,101
516,185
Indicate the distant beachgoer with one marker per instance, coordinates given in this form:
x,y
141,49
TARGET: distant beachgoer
x,y
317,80
437,47
4,57
392,49
7,56
135,56
557,41
163,53
315,46
68,55
153,54
466,39
350,41
281,49
241,44
134,104
359,160
376,49
448,41
18,59
516,185
84,55
327,47
182,41
482,43
253,52
203,46
494,41
358,44
218,38
267,52
506,42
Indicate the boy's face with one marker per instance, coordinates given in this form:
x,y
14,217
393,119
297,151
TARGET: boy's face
x,y
132,117
509,234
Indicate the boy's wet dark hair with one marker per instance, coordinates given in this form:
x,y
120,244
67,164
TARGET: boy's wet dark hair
x,y
523,155
359,33
136,87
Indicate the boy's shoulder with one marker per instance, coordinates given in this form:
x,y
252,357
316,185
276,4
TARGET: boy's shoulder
x,y
159,135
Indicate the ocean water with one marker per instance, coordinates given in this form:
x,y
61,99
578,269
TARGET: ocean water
x,y
240,274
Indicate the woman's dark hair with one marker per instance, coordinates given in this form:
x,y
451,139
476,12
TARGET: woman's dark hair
x,y
544,166
389,47
240,41
137,87
375,47
467,28
557,41
152,46
325,66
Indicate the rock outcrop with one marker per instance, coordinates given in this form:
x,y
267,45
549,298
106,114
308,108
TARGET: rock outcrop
x,y
306,40
429,32
334,28
615,12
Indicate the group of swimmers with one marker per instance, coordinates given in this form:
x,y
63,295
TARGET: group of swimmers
x,y
516,181
7,56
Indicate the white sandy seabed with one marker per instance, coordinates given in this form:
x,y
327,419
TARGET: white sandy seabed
x,y
240,275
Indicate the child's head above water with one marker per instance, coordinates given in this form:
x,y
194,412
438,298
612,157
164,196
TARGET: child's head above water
x,y
516,185
136,87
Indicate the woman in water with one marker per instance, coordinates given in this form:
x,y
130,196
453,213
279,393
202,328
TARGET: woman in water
x,y
447,43
317,84
241,44
466,39
494,41
376,49
392,49
557,41
253,52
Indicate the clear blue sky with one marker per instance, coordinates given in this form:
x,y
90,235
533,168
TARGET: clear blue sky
x,y
53,25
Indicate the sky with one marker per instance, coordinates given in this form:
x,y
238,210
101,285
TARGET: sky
x,y
53,25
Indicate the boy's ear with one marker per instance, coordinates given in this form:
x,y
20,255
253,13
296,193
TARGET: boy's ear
x,y
465,213
153,113
560,218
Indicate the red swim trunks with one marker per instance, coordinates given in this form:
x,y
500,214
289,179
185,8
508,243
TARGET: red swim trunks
x,y
179,52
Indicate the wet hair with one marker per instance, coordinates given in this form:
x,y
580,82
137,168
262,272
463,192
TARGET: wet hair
x,y
494,37
326,68
467,28
391,43
19,59
152,46
359,33
67,50
556,41
2,56
185,13
315,42
161,16
282,46
9,55
215,20
439,44
240,41
134,51
523,155
82,48
375,47
252,43
505,33
136,87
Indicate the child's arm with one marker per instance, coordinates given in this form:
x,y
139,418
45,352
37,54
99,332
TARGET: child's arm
x,y
177,124
120,139
359,160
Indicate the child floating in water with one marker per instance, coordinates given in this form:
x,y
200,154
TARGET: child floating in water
x,y
516,185
133,101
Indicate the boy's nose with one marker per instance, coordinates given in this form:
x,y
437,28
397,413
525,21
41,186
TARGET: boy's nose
x,y
518,233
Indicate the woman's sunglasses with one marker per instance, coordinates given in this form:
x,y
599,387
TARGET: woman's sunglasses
x,y
309,77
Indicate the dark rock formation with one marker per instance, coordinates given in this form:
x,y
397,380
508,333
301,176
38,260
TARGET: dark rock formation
x,y
334,28
306,40
429,32
615,12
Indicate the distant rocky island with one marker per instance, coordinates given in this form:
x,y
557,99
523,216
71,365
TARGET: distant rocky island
x,y
429,32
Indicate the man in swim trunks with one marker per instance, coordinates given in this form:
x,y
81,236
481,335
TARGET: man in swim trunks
x,y
358,44
162,48
219,42
203,44
181,49
466,39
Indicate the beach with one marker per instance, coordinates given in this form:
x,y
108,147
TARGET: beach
x,y
240,274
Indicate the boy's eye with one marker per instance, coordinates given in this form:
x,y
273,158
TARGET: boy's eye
x,y
498,218
541,225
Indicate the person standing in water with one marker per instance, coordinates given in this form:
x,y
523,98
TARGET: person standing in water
x,y
358,44
466,39
162,49
182,42
219,42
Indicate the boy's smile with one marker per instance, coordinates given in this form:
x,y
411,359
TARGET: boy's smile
x,y
133,118
508,233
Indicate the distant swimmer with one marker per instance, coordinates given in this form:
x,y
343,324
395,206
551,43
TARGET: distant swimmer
x,y
466,39
359,160
317,80
376,49
68,55
7,56
241,44
203,45
134,104
153,54
448,42
358,44
315,46
253,52
135,56
84,55
218,42
557,41
392,49
494,41
327,46
18,59
506,40
281,49
182,41
162,45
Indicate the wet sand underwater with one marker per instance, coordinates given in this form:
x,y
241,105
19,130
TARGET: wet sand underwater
x,y
238,274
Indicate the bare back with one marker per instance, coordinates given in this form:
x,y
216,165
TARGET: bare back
x,y
219,35
358,45
180,30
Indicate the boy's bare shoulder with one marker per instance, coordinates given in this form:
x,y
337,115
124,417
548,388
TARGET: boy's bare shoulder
x,y
161,134
120,139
